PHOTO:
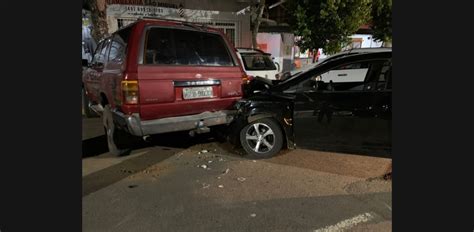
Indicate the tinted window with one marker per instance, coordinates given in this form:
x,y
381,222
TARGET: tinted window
x,y
256,61
185,47
101,54
124,34
97,53
379,74
386,77
117,52
389,83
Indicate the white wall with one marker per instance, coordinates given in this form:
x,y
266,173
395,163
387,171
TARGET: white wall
x,y
367,41
280,46
133,12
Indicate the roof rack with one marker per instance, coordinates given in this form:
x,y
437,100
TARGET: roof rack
x,y
199,26
162,19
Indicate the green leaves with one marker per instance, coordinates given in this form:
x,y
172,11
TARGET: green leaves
x,y
328,24
382,20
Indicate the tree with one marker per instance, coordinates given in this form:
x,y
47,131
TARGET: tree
x,y
382,20
327,24
256,12
98,18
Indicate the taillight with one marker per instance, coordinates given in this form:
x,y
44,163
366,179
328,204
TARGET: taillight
x,y
246,79
130,92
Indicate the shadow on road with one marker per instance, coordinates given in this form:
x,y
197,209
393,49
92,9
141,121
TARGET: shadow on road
x,y
371,151
105,177
94,146
158,149
98,145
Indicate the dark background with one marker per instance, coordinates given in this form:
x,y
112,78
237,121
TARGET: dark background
x,y
40,184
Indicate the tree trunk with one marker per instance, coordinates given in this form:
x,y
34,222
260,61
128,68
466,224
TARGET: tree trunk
x,y
256,22
315,55
99,19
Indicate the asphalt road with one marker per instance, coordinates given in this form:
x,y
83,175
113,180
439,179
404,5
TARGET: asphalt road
x,y
164,186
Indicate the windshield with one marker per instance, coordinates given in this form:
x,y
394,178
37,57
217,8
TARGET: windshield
x,y
257,61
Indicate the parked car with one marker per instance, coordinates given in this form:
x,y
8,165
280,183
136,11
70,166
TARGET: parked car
x,y
313,111
157,76
258,63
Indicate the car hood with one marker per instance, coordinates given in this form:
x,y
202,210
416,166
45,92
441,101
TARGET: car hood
x,y
262,89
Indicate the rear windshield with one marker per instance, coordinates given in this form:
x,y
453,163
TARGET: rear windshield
x,y
185,47
257,61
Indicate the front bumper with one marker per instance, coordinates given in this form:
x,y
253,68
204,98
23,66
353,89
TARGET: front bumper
x,y
133,124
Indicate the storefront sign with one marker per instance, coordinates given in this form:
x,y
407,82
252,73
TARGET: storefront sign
x,y
143,3
134,11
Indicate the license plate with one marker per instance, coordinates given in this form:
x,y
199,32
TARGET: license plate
x,y
197,92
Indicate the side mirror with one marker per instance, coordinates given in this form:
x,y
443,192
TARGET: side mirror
x,y
278,65
85,63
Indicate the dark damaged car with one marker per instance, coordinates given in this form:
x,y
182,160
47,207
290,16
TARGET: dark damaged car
x,y
347,112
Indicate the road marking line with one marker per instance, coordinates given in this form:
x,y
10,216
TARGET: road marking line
x,y
390,208
348,223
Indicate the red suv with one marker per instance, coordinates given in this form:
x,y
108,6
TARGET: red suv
x,y
157,76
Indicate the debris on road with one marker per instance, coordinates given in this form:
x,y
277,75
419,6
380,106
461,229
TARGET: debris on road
x,y
204,151
210,161
253,215
203,166
241,179
126,171
221,186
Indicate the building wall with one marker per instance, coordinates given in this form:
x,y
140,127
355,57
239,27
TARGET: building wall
x,y
280,45
218,5
214,13
367,41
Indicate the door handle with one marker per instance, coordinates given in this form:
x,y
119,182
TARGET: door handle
x,y
342,75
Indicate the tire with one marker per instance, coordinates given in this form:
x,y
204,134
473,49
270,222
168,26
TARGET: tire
x,y
85,106
118,141
262,138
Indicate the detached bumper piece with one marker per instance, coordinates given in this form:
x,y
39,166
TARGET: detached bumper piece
x,y
199,122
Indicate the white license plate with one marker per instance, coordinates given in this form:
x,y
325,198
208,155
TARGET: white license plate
x,y
197,92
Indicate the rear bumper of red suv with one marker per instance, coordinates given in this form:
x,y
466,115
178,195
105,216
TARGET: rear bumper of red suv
x,y
137,127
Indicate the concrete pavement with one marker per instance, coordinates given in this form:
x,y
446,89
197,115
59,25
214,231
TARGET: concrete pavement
x,y
166,188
